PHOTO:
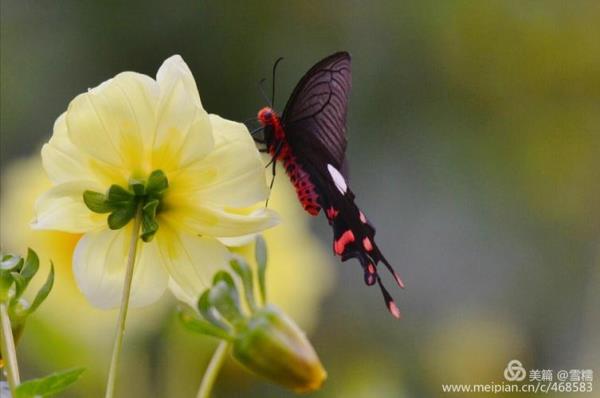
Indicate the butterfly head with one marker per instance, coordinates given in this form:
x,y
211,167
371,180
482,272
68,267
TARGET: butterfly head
x,y
267,116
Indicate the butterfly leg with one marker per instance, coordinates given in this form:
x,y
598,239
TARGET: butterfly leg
x,y
274,168
275,155
273,164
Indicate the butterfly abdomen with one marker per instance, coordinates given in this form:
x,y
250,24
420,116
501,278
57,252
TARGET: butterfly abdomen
x,y
305,189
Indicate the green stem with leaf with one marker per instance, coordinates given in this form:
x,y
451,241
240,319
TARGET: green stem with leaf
x,y
9,352
133,245
212,371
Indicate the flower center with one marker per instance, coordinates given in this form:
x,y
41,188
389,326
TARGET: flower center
x,y
123,204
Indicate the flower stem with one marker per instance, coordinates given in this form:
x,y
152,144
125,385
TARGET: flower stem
x,y
212,371
9,353
112,372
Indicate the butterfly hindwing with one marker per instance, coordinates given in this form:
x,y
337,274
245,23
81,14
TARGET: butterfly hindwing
x,y
353,234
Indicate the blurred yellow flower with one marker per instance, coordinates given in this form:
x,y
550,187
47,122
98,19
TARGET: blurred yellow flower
x,y
120,134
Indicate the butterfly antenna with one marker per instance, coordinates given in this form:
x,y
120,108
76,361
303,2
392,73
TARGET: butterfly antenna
x,y
261,87
273,81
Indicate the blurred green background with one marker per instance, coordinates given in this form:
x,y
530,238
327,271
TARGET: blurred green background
x,y
474,148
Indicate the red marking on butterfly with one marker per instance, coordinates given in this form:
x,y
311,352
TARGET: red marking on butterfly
x,y
367,244
332,213
394,309
371,268
309,138
362,217
339,245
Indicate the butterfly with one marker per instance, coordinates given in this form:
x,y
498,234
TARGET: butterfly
x,y
309,139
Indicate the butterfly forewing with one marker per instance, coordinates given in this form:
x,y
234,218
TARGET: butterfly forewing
x,y
315,115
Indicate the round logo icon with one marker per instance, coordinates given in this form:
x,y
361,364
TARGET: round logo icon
x,y
515,371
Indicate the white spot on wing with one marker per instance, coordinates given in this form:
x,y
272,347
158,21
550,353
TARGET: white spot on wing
x,y
338,179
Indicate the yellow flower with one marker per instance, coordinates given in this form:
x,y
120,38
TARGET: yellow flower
x,y
297,281
122,133
93,327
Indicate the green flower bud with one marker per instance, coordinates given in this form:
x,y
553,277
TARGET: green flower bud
x,y
273,346
264,339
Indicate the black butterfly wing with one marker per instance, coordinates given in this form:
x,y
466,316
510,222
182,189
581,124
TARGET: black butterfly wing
x,y
314,117
314,121
353,234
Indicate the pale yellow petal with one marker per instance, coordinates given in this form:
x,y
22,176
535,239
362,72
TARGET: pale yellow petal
x,y
190,260
238,241
62,208
183,133
61,159
175,69
115,122
187,296
231,175
99,265
217,222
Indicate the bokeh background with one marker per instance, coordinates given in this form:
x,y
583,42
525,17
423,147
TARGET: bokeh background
x,y
474,147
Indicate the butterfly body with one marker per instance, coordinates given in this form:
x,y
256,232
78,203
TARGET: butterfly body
x,y
309,139
280,150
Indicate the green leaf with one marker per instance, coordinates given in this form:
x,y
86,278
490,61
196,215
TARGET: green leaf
x,y
6,281
119,196
243,270
260,253
225,277
149,208
149,228
224,297
11,263
149,224
208,312
31,266
48,385
9,266
43,292
157,183
96,202
191,322
120,217
27,272
137,187
20,285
